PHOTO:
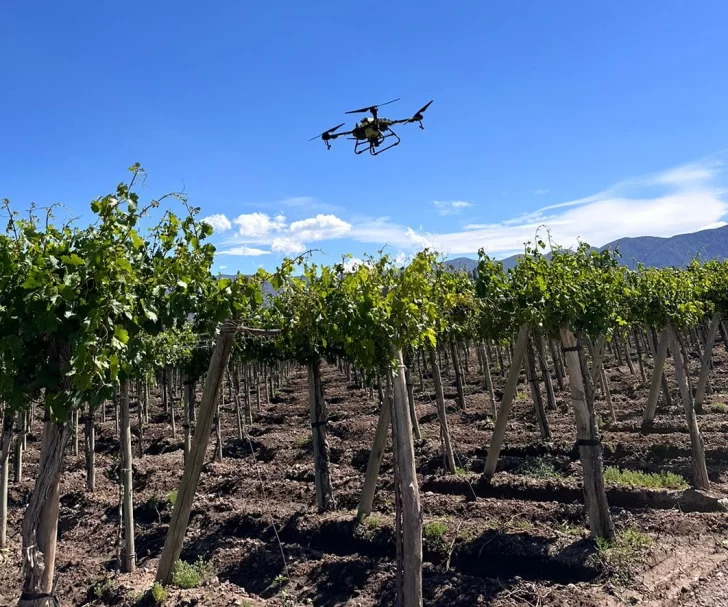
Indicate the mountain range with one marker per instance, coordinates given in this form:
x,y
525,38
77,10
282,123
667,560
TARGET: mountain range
x,y
676,251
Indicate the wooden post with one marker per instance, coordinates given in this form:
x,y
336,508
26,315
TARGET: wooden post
x,y
411,401
90,435
650,342
700,471
419,356
705,363
638,345
236,397
545,372
409,490
217,457
40,521
140,418
126,478
558,367
193,465
256,377
447,454
499,432
723,335
656,381
627,355
458,374
188,397
366,501
74,421
322,465
5,438
589,442
487,378
543,422
18,463
598,376
617,351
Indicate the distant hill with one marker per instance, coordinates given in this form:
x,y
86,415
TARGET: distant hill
x,y
676,251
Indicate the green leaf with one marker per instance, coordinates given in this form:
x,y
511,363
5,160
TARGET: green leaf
x,y
72,260
136,240
121,334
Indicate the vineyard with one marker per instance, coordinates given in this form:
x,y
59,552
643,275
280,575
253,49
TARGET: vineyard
x,y
361,433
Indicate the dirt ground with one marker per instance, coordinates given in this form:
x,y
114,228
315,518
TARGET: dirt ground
x,y
521,540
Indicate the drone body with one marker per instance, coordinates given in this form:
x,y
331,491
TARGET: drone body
x,y
371,133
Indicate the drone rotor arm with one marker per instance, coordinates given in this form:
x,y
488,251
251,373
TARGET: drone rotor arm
x,y
328,134
335,135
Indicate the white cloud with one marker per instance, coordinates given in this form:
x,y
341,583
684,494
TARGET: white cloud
x,y
402,259
287,246
688,202
351,264
223,268
284,238
450,207
382,231
683,199
417,239
243,251
685,175
321,227
541,192
219,222
257,225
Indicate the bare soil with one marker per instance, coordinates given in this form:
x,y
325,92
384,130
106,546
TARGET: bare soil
x,y
521,540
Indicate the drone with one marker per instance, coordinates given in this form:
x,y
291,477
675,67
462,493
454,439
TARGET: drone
x,y
371,132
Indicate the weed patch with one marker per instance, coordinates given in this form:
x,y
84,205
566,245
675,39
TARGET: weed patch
x,y
542,469
663,480
621,556
186,575
434,531
159,593
303,442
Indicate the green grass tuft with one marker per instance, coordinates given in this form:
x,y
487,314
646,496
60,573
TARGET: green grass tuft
x,y
186,575
434,531
303,442
620,556
543,469
718,408
159,593
663,480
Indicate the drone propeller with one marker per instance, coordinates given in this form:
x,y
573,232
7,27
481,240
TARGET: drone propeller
x,y
418,114
326,134
371,108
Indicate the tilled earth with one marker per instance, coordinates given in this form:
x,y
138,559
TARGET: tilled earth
x,y
520,540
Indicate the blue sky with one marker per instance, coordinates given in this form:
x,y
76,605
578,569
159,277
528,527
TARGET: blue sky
x,y
599,119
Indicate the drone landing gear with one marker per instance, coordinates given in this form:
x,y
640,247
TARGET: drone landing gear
x,y
372,145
